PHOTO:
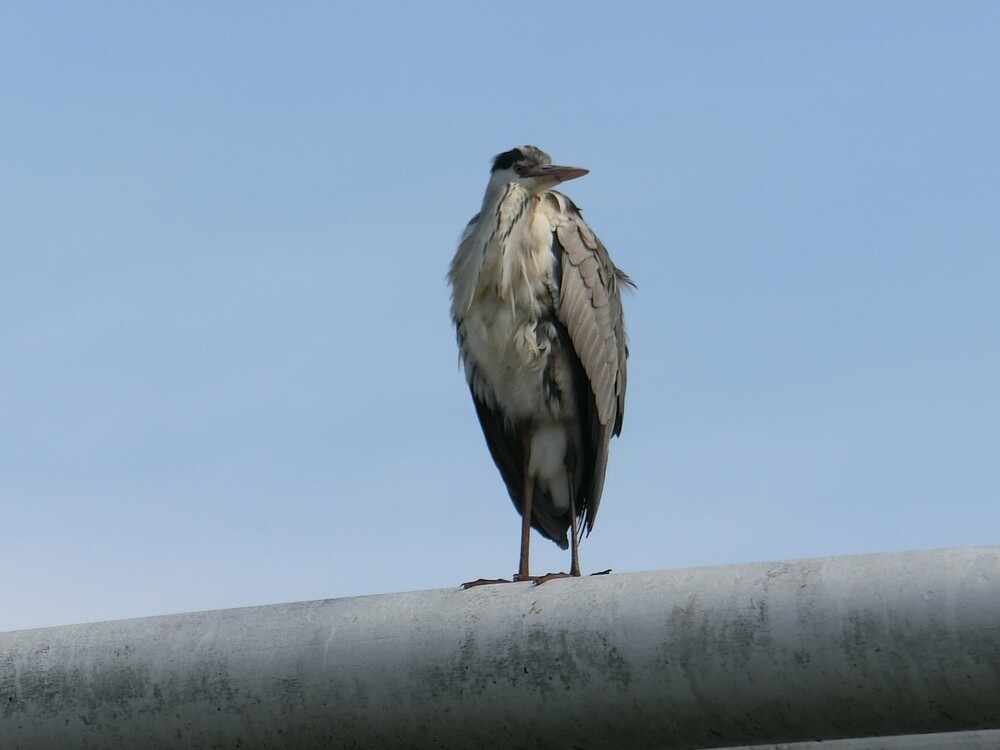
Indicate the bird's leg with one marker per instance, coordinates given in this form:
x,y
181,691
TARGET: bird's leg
x,y
522,567
574,565
574,520
574,540
529,488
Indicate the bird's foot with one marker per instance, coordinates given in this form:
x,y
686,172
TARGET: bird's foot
x,y
551,577
539,580
483,582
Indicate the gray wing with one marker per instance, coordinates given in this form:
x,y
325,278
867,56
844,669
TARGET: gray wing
x,y
590,307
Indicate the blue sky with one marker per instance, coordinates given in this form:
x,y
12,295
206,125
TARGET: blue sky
x,y
228,372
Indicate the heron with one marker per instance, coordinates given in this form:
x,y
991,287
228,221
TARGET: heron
x,y
537,307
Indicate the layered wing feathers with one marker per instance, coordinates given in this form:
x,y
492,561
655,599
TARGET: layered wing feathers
x,y
590,308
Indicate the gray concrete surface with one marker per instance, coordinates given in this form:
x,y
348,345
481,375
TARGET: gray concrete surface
x,y
709,657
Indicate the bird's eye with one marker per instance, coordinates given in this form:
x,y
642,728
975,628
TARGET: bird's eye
x,y
519,168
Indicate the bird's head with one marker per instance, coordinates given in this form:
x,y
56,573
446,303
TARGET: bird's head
x,y
532,169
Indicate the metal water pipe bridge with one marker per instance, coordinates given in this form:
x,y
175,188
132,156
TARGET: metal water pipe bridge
x,y
890,646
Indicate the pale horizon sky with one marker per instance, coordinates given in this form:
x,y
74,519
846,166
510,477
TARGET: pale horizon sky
x,y
229,376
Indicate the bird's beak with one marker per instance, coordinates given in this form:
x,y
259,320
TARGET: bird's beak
x,y
554,174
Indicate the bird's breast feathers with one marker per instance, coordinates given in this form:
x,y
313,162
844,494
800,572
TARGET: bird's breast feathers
x,y
504,301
